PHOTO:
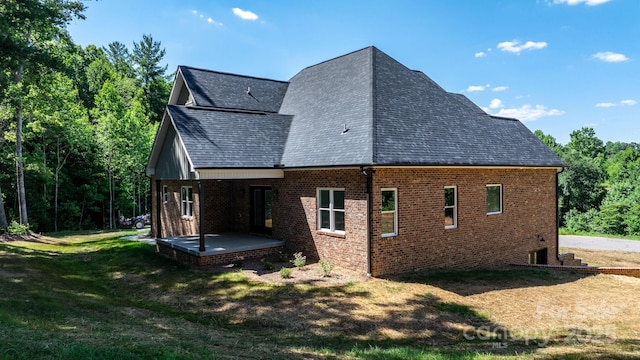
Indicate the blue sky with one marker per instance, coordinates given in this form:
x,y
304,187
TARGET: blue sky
x,y
557,65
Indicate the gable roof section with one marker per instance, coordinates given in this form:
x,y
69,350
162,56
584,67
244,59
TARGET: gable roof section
x,y
217,139
229,91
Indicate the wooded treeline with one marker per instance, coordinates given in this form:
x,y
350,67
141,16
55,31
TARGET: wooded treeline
x,y
76,124
599,191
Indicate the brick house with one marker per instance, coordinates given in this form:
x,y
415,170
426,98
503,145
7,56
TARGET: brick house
x,y
357,159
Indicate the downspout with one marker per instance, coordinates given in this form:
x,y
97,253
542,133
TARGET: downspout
x,y
200,215
558,216
369,174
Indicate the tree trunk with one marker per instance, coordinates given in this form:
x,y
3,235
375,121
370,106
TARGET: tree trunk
x,y
3,216
22,197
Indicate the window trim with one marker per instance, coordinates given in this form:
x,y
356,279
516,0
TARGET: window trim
x,y
332,211
186,203
165,194
395,212
454,207
501,195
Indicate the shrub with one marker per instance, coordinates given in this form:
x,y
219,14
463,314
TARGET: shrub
x,y
238,262
326,266
267,265
17,229
285,273
576,221
299,260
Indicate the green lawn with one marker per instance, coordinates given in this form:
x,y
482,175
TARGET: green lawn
x,y
95,296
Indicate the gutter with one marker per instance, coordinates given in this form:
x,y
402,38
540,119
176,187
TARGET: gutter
x,y
558,217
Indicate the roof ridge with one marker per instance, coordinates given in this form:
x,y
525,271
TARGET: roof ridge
x,y
232,74
338,57
374,112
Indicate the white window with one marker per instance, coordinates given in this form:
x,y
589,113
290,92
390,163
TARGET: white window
x,y
331,210
494,199
388,209
186,201
165,194
450,207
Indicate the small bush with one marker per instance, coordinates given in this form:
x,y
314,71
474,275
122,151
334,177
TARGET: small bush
x,y
285,272
299,260
237,263
326,266
282,257
18,229
267,265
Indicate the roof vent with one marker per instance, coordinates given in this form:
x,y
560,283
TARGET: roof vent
x,y
345,129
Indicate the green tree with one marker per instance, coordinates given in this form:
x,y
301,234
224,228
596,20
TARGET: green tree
x,y
147,56
28,28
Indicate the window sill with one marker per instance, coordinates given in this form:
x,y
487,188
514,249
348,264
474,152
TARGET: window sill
x,y
185,217
389,235
494,213
450,227
332,234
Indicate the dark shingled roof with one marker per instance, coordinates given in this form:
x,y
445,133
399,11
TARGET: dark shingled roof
x,y
362,108
223,139
229,91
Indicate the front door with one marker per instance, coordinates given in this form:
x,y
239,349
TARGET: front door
x,y
261,220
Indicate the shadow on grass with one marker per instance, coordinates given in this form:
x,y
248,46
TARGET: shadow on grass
x,y
124,299
473,282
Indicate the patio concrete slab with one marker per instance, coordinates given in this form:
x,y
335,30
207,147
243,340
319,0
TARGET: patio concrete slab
x,y
216,244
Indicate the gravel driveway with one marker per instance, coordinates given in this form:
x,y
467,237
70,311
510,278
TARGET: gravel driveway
x,y
598,243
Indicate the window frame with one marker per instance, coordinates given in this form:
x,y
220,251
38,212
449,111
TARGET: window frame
x,y
186,202
394,211
501,201
165,194
332,210
454,207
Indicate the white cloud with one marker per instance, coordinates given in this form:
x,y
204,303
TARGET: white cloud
x,y
480,54
529,113
473,88
495,104
211,21
577,2
500,88
516,47
628,102
194,12
245,14
605,105
609,56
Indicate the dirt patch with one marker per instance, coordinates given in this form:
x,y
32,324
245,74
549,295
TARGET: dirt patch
x,y
310,274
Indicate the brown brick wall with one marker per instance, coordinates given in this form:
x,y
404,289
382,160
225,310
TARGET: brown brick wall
x,y
480,240
297,223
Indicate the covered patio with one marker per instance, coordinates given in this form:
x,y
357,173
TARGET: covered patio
x,y
221,248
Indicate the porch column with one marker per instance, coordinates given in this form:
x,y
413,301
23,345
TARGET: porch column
x,y
201,215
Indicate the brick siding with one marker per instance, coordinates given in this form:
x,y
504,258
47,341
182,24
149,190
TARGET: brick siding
x,y
422,243
480,240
